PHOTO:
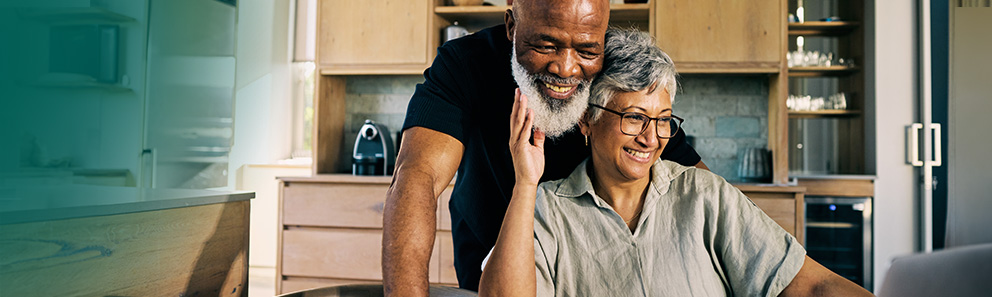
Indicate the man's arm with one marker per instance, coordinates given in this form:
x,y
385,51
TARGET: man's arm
x,y
426,163
815,280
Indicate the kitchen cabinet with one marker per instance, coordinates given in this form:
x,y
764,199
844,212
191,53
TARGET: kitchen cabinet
x,y
330,233
330,229
714,36
375,36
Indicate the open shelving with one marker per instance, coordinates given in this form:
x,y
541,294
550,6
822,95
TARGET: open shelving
x,y
822,28
824,113
78,15
813,71
832,140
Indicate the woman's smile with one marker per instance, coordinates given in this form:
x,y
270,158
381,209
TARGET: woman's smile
x,y
639,156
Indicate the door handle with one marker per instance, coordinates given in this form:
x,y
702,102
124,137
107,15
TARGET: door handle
x,y
936,144
912,146
152,153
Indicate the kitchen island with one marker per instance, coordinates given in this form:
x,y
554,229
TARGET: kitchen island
x,y
68,240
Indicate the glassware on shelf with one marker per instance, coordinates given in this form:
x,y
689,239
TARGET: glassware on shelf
x,y
801,58
809,103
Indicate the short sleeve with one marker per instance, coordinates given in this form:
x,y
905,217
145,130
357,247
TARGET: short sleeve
x,y
545,247
679,151
440,103
758,257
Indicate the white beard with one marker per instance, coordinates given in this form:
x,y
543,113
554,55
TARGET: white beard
x,y
553,116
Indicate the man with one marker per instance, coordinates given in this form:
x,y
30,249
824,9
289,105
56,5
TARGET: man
x,y
458,120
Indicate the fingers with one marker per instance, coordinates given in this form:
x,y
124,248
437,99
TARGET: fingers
x,y
520,116
528,123
538,138
517,117
514,113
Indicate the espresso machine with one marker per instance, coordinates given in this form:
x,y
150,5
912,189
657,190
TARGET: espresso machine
x,y
374,152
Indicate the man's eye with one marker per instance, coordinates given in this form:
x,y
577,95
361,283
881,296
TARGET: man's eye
x,y
545,48
588,54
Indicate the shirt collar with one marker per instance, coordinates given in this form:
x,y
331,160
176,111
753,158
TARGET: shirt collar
x,y
578,183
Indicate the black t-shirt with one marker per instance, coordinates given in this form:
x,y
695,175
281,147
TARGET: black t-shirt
x,y
468,94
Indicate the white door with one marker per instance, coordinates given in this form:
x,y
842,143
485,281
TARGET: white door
x,y
969,181
893,84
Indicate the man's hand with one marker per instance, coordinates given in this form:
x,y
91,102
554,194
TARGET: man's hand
x,y
528,159
426,163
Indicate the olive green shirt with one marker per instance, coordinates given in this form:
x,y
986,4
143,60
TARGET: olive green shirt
x,y
697,236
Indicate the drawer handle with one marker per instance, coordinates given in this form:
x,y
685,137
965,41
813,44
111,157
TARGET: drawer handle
x,y
379,207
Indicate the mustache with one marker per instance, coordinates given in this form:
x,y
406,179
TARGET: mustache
x,y
554,79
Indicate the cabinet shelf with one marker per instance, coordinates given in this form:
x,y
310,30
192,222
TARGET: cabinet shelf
x,y
81,15
494,14
834,113
83,85
822,28
814,71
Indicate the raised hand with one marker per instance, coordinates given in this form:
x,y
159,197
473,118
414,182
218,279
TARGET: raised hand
x,y
528,159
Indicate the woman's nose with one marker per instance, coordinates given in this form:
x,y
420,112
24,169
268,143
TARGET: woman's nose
x,y
649,137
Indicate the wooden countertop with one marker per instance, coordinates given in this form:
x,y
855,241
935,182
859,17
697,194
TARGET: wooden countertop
x,y
56,202
358,179
769,188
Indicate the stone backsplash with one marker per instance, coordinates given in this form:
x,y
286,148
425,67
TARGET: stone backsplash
x,y
723,113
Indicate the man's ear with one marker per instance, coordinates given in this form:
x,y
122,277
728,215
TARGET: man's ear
x,y
510,23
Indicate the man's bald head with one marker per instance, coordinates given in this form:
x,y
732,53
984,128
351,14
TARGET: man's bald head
x,y
543,8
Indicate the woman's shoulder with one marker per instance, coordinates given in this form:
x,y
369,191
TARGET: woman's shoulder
x,y
688,177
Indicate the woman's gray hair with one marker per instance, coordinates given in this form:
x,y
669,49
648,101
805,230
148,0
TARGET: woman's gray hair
x,y
632,62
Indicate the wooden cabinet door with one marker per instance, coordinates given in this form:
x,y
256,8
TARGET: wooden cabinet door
x,y
728,36
374,36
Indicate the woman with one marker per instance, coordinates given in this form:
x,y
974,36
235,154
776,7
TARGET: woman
x,y
624,223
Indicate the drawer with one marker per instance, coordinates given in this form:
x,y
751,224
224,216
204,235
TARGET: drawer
x,y
345,205
333,205
293,284
338,253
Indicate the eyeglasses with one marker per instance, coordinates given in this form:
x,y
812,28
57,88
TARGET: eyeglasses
x,y
634,123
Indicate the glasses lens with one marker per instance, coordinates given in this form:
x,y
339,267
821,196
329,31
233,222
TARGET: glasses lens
x,y
632,123
667,126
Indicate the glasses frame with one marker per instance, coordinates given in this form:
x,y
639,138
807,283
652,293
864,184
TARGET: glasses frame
x,y
657,120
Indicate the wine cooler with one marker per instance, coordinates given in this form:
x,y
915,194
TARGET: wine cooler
x,y
839,236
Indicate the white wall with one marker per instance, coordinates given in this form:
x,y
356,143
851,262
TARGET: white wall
x,y
263,118
261,179
969,191
895,91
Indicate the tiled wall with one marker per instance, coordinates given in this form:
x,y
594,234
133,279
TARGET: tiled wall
x,y
382,99
723,113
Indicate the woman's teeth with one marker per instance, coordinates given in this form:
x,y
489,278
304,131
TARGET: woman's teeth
x,y
557,88
636,153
